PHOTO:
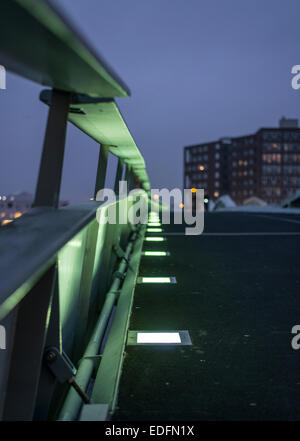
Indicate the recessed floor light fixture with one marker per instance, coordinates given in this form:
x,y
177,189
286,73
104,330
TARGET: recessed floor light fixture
x,y
158,338
156,253
155,239
156,279
154,230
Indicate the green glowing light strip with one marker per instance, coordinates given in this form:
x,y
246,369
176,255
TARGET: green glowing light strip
x,y
155,239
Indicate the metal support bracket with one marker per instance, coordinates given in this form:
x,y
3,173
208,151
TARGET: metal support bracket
x,y
63,369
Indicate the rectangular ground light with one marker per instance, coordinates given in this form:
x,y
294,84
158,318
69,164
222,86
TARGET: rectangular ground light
x,y
156,279
143,338
155,239
156,253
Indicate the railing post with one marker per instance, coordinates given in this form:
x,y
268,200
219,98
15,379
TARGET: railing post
x,y
128,176
101,170
119,173
130,179
49,180
47,382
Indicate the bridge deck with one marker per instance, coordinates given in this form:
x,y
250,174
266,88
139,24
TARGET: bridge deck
x,y
238,296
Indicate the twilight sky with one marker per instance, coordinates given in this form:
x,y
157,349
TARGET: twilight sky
x,y
197,69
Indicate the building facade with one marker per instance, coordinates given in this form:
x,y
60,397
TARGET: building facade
x,y
265,164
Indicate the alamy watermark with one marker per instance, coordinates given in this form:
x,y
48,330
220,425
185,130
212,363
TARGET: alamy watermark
x,y
2,337
2,77
134,206
296,79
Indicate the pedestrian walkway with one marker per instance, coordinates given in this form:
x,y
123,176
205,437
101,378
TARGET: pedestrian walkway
x,y
238,297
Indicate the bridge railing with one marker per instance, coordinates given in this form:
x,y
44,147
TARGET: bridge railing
x,y
62,272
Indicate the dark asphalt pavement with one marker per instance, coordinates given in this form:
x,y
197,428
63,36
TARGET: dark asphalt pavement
x,y
238,295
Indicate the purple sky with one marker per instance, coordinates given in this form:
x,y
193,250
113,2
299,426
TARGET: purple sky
x,y
197,69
